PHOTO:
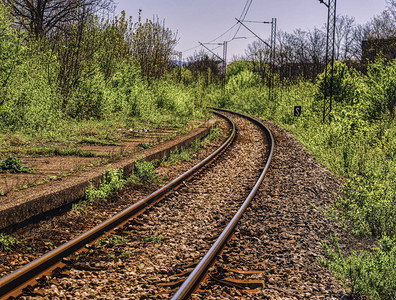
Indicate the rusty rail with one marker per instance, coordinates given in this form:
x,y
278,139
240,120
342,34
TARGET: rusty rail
x,y
14,283
192,283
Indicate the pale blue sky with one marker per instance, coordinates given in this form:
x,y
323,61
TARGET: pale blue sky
x,y
204,20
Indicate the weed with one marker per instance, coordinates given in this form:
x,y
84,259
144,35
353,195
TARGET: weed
x,y
13,165
144,146
96,141
7,243
145,170
112,240
126,254
60,151
80,207
214,134
152,239
112,182
177,157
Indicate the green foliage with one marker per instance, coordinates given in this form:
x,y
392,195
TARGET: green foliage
x,y
344,85
112,240
13,165
145,170
370,203
152,239
7,243
242,80
367,273
144,146
80,206
177,157
112,182
380,92
239,66
10,46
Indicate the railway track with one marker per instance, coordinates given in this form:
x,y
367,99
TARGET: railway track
x,y
183,226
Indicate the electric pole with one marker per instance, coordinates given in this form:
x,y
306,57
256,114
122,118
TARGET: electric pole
x,y
272,50
223,60
330,41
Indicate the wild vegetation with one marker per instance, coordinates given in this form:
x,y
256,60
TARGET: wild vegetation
x,y
85,77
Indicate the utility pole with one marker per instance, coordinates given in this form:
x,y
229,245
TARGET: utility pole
x,y
272,58
272,49
223,60
180,65
330,40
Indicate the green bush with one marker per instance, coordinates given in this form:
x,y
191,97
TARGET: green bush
x,y
112,182
379,96
344,84
368,273
145,170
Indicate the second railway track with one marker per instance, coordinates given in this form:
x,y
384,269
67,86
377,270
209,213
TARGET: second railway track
x,y
152,255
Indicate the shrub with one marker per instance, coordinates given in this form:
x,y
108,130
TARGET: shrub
x,y
344,84
112,182
367,273
145,170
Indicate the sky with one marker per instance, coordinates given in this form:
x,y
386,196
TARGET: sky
x,y
204,20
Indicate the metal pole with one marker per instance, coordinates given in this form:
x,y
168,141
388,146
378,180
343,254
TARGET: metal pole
x,y
330,41
224,62
180,65
272,59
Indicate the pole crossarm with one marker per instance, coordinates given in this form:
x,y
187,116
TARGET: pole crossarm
x,y
211,51
321,1
262,22
268,45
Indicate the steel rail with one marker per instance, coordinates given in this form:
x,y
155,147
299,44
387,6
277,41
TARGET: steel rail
x,y
192,283
15,282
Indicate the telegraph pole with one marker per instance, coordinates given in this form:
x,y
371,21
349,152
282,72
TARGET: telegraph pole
x,y
180,65
330,41
272,58
272,49
223,60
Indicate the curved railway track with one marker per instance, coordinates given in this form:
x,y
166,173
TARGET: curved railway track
x,y
125,229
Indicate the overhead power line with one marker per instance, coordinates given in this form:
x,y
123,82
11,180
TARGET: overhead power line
x,y
243,15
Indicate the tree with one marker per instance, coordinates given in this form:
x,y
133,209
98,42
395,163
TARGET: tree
x,y
359,34
384,25
153,46
259,54
343,37
204,68
42,17
10,46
